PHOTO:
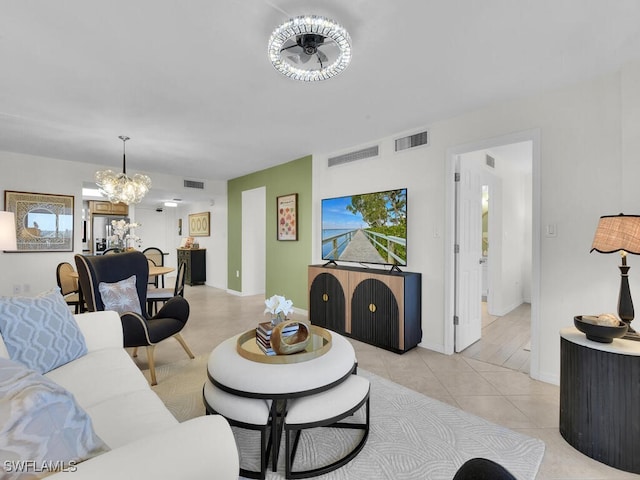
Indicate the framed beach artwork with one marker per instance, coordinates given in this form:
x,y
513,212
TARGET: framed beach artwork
x,y
287,215
44,222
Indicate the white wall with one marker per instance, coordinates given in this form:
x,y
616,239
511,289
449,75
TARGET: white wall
x,y
513,229
216,243
581,178
37,271
515,233
158,229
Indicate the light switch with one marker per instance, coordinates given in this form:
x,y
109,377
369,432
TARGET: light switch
x,y
551,230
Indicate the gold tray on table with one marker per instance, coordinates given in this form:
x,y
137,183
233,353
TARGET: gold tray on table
x,y
319,345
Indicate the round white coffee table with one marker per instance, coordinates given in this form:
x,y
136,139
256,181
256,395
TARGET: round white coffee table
x,y
233,373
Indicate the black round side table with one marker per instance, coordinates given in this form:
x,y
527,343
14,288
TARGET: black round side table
x,y
600,398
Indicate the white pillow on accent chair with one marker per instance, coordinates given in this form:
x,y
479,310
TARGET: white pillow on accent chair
x,y
120,296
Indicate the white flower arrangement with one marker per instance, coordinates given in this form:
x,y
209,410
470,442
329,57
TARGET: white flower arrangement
x,y
279,307
123,233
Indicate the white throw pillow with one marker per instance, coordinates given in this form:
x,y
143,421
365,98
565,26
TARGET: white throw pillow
x,y
120,296
42,428
40,332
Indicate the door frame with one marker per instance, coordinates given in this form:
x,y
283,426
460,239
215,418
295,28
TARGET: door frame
x,y
533,136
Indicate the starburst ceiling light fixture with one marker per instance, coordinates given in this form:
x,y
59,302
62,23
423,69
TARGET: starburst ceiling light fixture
x,y
119,187
310,48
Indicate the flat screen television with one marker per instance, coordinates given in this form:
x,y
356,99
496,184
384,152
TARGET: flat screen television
x,y
366,228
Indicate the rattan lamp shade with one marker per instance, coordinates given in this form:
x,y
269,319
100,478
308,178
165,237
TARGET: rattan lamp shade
x,y
616,233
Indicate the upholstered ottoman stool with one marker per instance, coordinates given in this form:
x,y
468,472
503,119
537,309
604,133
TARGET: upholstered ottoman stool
x,y
326,409
242,412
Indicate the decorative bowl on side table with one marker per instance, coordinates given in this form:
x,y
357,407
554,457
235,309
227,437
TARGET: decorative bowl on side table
x,y
600,333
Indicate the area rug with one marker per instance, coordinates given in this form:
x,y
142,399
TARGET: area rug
x,y
412,436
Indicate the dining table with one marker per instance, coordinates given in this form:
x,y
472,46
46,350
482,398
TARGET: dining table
x,y
153,271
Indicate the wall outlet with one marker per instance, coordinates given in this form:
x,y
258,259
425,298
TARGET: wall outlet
x,y
26,288
16,290
237,273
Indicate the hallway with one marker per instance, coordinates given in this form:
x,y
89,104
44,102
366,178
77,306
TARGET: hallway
x,y
505,340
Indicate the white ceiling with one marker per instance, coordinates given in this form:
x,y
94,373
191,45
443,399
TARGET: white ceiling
x,y
190,83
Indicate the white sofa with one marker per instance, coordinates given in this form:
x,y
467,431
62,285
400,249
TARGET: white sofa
x,y
144,438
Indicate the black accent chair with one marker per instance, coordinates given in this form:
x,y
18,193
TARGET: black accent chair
x,y
482,469
139,330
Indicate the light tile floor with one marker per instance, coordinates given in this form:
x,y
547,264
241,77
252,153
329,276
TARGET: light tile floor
x,y
506,397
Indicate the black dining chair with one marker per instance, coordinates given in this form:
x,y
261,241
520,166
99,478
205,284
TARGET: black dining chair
x,y
108,279
163,295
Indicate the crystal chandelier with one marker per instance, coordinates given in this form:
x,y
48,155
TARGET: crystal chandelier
x,y
119,187
310,48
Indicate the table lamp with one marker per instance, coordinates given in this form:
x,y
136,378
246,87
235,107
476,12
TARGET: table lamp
x,y
620,233
8,231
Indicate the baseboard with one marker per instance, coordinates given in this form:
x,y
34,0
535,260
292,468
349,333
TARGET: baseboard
x,y
301,311
504,311
552,378
433,346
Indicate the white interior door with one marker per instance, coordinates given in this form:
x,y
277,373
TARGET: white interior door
x,y
469,263
253,241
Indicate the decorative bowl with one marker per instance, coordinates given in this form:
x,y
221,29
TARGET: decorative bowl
x,y
600,333
293,343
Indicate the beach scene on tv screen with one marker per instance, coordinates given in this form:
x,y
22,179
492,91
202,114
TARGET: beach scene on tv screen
x,y
367,228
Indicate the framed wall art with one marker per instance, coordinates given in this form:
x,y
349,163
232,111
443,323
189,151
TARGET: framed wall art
x,y
200,224
287,216
44,222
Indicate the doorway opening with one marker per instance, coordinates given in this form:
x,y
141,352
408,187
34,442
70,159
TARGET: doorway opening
x,y
493,284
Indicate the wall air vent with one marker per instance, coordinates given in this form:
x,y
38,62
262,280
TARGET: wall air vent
x,y
491,162
194,184
412,141
353,156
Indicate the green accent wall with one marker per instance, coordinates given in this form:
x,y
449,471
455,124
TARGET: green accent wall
x,y
286,261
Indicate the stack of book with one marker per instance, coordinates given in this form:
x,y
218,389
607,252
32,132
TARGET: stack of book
x,y
263,335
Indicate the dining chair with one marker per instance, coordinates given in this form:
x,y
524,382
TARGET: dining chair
x,y
157,295
119,282
157,256
68,285
153,279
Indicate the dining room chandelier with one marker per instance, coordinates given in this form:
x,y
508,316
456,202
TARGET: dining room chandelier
x,y
119,187
310,48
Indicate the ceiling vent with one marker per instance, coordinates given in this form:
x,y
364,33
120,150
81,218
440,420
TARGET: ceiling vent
x,y
194,184
353,156
491,162
412,141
